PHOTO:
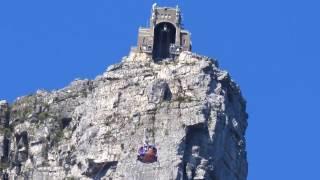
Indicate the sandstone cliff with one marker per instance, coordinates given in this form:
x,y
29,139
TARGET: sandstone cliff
x,y
189,108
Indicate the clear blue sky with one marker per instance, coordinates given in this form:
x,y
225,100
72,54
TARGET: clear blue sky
x,y
270,47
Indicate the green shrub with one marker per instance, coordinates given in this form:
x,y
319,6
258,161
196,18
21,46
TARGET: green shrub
x,y
59,135
42,116
3,166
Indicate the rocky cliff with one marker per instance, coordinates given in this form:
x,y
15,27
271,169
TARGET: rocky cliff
x,y
190,109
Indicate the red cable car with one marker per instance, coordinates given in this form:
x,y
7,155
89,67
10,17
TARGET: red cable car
x,y
147,154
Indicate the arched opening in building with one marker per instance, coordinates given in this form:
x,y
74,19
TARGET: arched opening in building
x,y
164,36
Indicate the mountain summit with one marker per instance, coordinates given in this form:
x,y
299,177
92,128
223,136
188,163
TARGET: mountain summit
x,y
162,113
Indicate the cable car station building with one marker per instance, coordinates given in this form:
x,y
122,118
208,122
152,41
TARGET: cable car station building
x,y
165,38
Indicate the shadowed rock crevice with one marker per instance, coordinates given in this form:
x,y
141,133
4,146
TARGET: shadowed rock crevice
x,y
65,122
196,156
22,145
167,94
159,91
98,170
5,132
6,144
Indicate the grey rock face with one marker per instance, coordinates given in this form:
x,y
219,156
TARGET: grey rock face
x,y
190,109
4,133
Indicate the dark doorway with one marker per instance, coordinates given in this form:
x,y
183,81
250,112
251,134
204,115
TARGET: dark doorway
x,y
164,35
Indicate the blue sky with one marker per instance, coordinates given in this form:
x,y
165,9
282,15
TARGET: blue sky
x,y
270,47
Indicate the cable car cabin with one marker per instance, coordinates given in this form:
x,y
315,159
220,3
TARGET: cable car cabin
x,y
165,38
147,154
